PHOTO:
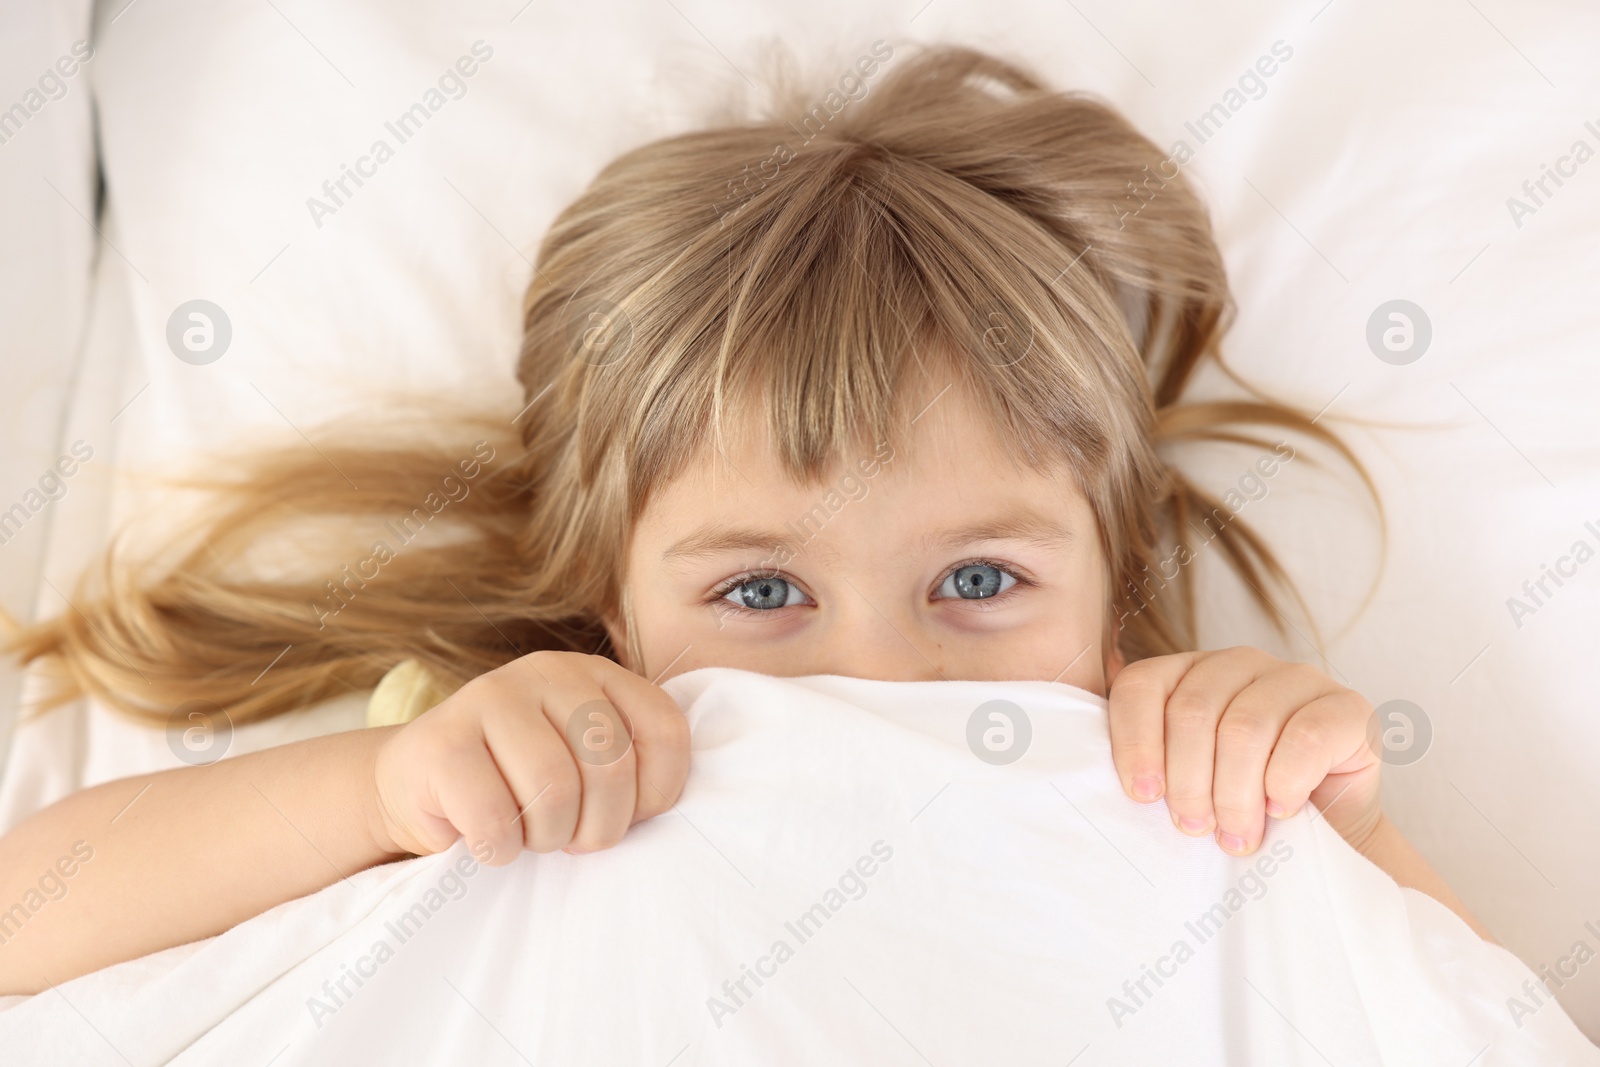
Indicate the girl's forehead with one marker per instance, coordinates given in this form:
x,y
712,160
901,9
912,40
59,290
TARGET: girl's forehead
x,y
879,502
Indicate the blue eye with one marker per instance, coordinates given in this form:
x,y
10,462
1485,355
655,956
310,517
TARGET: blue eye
x,y
765,594
976,581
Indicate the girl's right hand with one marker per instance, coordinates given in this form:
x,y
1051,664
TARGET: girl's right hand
x,y
556,750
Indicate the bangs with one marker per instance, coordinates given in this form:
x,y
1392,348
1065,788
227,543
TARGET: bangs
x,y
851,293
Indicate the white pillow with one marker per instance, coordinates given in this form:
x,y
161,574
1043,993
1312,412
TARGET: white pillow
x,y
47,188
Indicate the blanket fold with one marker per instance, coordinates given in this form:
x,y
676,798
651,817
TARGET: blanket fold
x,y
857,872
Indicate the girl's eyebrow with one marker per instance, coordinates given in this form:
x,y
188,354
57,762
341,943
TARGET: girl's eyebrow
x,y
713,540
1018,524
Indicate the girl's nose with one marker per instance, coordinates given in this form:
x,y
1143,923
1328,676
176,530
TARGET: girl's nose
x,y
865,642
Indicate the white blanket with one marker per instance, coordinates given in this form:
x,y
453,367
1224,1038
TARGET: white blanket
x,y
845,880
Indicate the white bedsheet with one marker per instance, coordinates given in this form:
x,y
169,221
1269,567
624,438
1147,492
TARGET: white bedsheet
x,y
959,912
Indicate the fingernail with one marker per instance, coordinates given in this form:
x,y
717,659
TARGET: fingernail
x,y
1147,786
1194,826
1233,842
1274,809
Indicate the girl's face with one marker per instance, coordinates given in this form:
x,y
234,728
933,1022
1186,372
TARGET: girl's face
x,y
940,560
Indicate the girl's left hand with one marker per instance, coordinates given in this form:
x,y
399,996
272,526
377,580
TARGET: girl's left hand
x,y
1230,737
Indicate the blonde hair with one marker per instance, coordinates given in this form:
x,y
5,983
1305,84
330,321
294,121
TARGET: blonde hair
x,y
959,223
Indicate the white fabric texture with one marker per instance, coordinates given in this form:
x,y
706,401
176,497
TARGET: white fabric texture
x,y
928,903
1377,164
47,194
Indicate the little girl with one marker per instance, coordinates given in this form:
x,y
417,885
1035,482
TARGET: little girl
x,y
879,395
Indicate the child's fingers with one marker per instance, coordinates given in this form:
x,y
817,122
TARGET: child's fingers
x,y
599,739
609,795
1193,711
1250,728
470,792
1328,733
534,761
1136,714
660,738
